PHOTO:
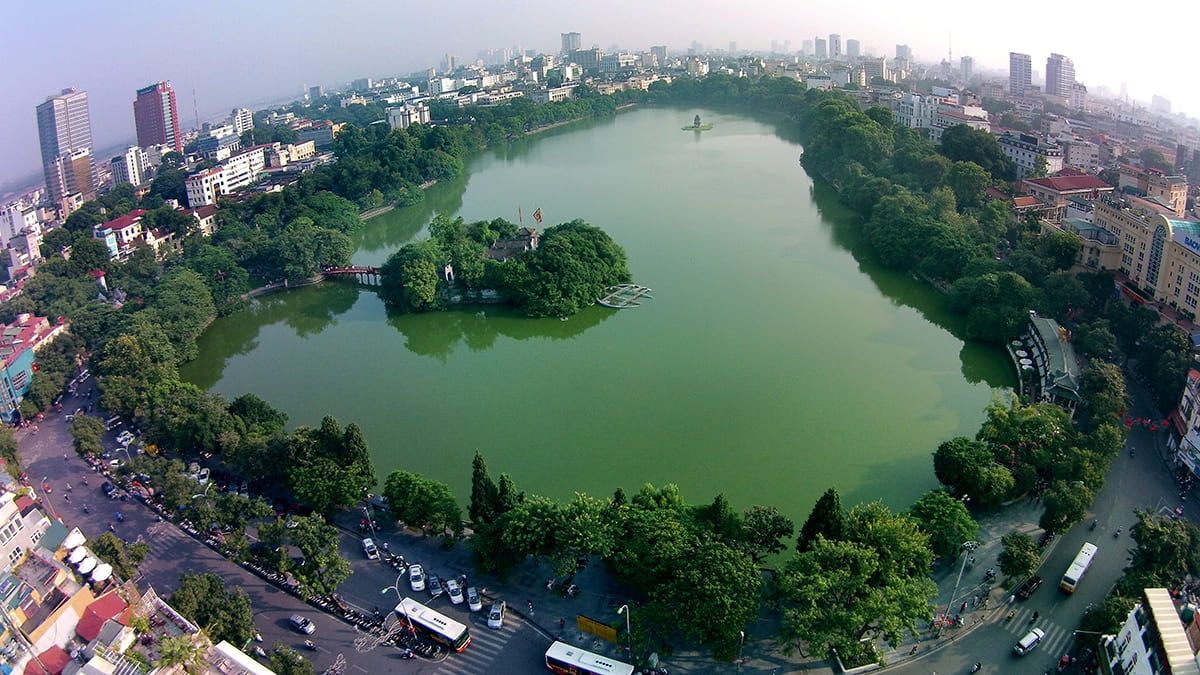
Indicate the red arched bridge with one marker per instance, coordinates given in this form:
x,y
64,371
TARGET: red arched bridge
x,y
362,275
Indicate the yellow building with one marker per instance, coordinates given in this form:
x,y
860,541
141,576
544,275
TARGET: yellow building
x,y
1160,254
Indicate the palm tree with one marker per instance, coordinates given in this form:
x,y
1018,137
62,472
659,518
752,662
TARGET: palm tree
x,y
184,652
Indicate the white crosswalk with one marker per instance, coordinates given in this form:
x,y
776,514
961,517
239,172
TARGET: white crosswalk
x,y
1057,637
479,656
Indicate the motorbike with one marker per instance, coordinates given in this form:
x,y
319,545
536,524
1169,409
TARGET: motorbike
x,y
311,645
1064,662
989,575
1094,524
259,650
975,668
407,654
1117,533
120,518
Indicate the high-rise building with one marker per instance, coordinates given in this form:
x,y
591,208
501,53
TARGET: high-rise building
x,y
807,47
1020,73
156,117
1060,76
1160,104
316,92
242,120
64,129
853,49
835,46
571,42
966,67
130,167
660,53
819,50
732,48
903,53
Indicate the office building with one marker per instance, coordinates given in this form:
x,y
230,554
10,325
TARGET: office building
x,y
903,53
732,48
1160,104
807,48
835,46
156,116
819,50
64,128
660,53
966,67
316,92
242,120
1020,73
1060,76
130,167
571,42
853,49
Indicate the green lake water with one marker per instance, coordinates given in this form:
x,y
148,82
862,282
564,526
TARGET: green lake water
x,y
775,360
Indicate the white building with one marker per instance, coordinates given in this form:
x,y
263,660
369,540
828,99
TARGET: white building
x,y
697,67
1153,639
401,117
238,171
1024,149
242,120
16,218
130,167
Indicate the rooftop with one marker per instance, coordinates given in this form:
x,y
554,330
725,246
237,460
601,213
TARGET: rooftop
x,y
1072,183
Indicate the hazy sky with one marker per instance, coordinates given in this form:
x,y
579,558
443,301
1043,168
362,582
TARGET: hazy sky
x,y
242,53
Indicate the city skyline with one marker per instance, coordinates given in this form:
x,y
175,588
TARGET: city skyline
x,y
227,71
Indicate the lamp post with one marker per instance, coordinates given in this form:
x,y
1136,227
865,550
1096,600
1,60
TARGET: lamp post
x,y
399,597
624,609
741,644
967,547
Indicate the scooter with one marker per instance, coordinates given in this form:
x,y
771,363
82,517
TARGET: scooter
x,y
311,645
975,668
259,650
1117,533
1094,524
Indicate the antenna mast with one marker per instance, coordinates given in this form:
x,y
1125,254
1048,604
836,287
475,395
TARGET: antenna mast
x,y
196,108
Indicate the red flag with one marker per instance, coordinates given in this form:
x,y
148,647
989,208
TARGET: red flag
x,y
519,216
537,215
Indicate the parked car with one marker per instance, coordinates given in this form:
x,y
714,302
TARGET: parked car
x,y
454,591
125,437
435,586
416,578
496,614
473,600
109,490
302,624
1031,640
1028,586
369,548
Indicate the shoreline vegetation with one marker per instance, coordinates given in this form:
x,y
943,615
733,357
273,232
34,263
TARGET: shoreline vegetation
x,y
921,207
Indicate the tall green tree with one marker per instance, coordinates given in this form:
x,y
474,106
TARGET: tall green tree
x,y
224,615
946,521
1020,556
765,530
1066,504
85,435
827,520
424,503
484,493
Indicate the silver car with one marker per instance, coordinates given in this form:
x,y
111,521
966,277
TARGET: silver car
x,y
496,614
416,578
454,591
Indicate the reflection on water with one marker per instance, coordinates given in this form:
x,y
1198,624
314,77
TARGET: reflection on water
x,y
436,334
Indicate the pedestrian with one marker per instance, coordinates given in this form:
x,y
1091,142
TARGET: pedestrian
x,y
562,623
963,608
913,650
975,601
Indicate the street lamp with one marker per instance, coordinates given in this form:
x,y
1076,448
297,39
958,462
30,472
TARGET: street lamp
x,y
399,597
741,643
967,547
624,609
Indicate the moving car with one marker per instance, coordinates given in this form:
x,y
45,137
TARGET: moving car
x,y
435,586
416,578
1031,640
1027,588
369,548
473,600
496,614
454,591
302,624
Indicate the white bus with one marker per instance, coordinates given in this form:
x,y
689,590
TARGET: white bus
x,y
438,626
1078,566
569,660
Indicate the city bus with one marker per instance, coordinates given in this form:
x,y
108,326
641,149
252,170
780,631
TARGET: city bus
x,y
1078,566
436,625
569,660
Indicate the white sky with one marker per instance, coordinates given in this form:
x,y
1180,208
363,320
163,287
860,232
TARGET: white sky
x,y
243,53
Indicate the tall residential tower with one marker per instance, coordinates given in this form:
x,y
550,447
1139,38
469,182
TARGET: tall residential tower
x,y
156,117
571,42
65,132
1020,73
1060,76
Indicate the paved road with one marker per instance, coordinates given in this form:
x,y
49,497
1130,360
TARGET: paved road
x,y
1141,481
173,552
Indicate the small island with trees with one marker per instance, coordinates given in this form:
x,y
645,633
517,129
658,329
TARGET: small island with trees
x,y
558,273
697,126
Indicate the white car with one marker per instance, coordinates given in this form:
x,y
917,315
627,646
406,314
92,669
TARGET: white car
x,y
416,578
369,548
125,438
473,600
496,614
302,624
1031,640
454,591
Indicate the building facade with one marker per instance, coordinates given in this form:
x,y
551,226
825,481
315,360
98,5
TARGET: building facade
x,y
1020,73
1152,641
571,42
835,46
130,167
1160,253
64,127
19,343
1024,150
1168,191
242,169
242,120
1060,76
1057,191
156,116
405,115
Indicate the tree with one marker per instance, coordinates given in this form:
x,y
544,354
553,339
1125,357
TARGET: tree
x,y
1168,550
1164,358
765,530
965,144
323,569
572,265
969,181
224,615
181,651
1040,167
124,559
484,493
827,520
710,599
872,584
946,521
1103,391
86,433
1066,504
1020,557
961,465
1153,159
9,454
423,503
286,661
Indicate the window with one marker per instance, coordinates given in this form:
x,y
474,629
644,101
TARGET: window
x,y
15,555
